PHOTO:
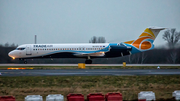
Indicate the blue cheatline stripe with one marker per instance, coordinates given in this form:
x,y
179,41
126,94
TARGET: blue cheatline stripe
x,y
112,44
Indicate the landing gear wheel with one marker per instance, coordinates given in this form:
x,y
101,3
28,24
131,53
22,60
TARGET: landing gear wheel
x,y
88,62
25,62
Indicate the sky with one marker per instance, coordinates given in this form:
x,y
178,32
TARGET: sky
x,y
77,21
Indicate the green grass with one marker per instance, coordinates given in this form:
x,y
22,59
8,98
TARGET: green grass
x,y
92,67
129,86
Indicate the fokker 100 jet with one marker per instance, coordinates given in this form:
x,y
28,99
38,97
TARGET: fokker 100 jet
x,y
88,50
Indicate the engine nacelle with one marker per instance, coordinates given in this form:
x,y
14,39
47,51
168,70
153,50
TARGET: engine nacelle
x,y
120,47
118,50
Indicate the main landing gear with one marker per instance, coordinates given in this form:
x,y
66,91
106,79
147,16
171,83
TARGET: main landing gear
x,y
88,60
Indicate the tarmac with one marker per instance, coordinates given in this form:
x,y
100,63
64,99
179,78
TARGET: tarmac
x,y
89,72
89,64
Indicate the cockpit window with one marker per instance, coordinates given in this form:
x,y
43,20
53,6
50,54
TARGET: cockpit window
x,y
20,48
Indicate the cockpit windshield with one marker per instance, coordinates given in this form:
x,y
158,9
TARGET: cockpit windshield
x,y
20,48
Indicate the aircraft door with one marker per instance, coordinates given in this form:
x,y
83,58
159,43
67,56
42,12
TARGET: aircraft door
x,y
28,50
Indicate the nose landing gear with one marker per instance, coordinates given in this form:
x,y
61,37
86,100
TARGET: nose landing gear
x,y
24,60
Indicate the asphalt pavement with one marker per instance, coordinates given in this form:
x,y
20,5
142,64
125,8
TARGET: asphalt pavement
x,y
89,64
90,72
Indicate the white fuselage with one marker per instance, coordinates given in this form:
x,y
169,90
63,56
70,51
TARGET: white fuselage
x,y
41,50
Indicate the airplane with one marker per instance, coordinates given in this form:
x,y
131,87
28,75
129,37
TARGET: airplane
x,y
88,50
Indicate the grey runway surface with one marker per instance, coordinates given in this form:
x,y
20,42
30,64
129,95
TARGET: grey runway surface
x,y
89,64
90,72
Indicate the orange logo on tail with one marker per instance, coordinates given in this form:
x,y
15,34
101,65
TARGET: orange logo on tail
x,y
140,43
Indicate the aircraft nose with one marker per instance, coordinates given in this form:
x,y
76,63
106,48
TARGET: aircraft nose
x,y
11,54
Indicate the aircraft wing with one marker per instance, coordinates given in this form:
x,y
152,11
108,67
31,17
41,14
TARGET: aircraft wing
x,y
90,54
